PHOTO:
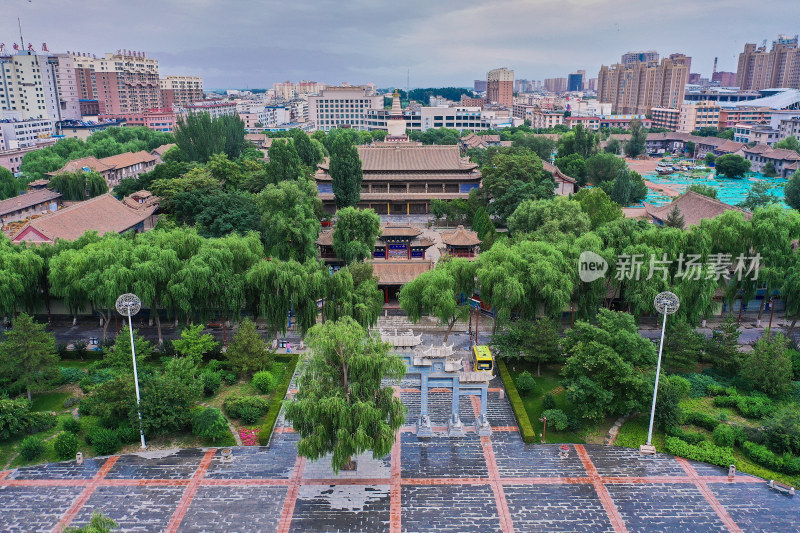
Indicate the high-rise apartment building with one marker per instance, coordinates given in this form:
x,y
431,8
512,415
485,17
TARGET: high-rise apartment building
x,y
631,58
28,88
500,87
180,90
346,107
639,87
725,79
576,80
779,67
125,82
555,85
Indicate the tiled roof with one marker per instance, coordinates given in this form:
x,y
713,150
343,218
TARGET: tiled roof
x,y
103,214
325,238
399,272
473,141
783,154
400,157
730,147
163,148
78,164
128,159
461,237
397,230
26,200
694,207
556,172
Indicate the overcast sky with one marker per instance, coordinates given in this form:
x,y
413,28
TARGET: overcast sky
x,y
253,43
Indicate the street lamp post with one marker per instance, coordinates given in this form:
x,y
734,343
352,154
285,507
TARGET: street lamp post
x,y
128,305
666,303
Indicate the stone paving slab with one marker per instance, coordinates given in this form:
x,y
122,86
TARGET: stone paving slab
x,y
135,509
540,461
172,464
442,457
665,507
550,508
367,468
615,461
252,462
63,470
323,508
24,509
756,507
234,510
449,509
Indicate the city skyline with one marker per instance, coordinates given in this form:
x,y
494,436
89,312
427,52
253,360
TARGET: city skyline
x,y
262,42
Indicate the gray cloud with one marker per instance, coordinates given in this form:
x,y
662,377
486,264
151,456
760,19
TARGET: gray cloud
x,y
239,43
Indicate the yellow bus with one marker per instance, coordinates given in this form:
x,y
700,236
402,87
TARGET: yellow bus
x,y
483,358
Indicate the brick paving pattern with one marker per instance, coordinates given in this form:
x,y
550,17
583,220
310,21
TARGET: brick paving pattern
x,y
472,483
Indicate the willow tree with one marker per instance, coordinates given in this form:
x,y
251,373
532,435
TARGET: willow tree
x,y
277,288
290,219
20,271
354,233
774,231
441,292
342,407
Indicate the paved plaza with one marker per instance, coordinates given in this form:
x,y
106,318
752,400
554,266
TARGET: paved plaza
x,y
472,483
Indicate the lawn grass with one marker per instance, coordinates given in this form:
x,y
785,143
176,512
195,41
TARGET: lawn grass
x,y
49,401
83,365
547,382
10,447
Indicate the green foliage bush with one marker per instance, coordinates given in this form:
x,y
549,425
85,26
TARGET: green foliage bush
x,y
277,399
96,377
548,401
14,415
760,454
209,423
782,430
756,405
556,419
701,420
104,441
72,401
705,451
264,381
212,381
795,356
525,383
70,374
699,384
691,437
523,422
128,434
715,389
65,445
31,448
251,407
724,435
72,425
229,377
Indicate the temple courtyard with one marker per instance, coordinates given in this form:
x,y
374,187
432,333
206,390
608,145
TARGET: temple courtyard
x,y
440,483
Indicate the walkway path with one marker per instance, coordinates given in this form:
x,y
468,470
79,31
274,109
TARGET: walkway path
x,y
480,484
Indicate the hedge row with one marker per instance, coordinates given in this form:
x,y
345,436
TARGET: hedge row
x,y
704,452
786,463
524,423
280,393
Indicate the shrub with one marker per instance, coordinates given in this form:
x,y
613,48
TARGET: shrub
x,y
229,377
787,463
701,420
70,375
705,451
699,384
248,352
692,437
65,445
264,382
548,401
105,441
211,382
557,419
31,448
523,422
95,378
525,383
37,422
239,407
671,389
725,401
72,401
724,435
795,356
128,434
72,425
755,406
210,424
782,430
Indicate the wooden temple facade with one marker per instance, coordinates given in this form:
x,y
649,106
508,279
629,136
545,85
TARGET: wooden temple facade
x,y
401,178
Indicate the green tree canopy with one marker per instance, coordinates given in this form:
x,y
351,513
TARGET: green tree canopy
x,y
637,144
342,408
27,356
609,366
603,167
290,219
705,190
732,166
578,141
355,233
198,136
598,206
789,143
284,162
345,170
548,219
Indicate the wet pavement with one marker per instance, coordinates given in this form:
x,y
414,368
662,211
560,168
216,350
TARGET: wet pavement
x,y
472,483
